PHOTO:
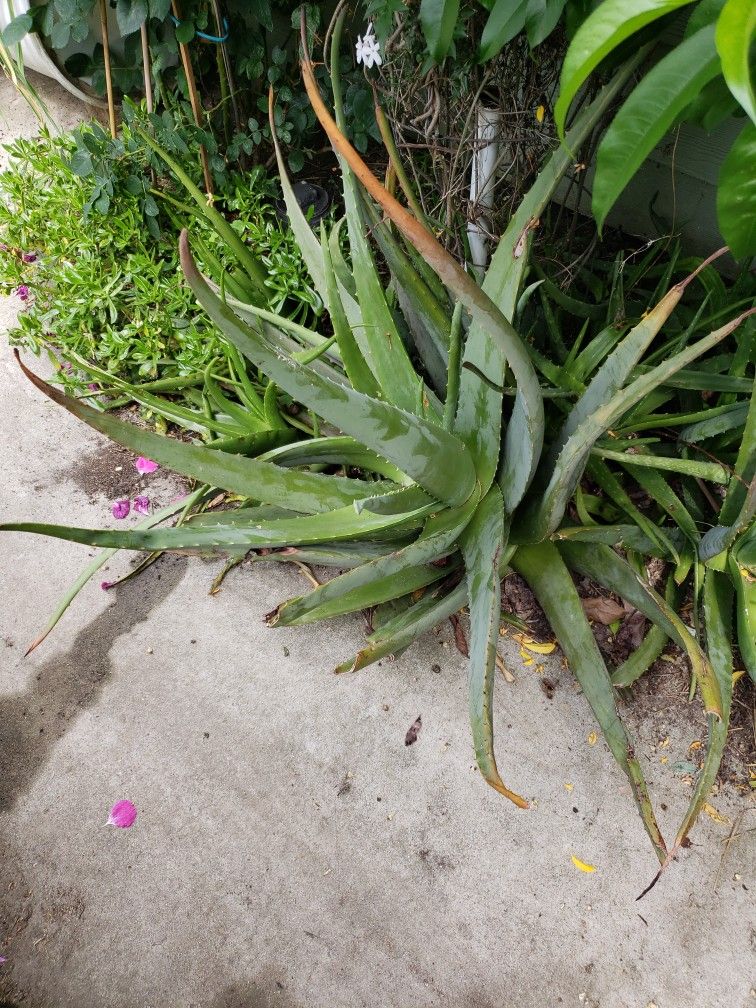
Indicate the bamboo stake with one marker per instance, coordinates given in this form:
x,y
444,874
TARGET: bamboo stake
x,y
194,102
108,74
146,68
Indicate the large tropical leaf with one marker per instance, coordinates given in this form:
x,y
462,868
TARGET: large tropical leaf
x,y
648,113
602,32
438,19
736,31
736,194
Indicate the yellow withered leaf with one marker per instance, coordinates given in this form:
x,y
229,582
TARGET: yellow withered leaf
x,y
712,813
581,865
592,738
540,112
535,646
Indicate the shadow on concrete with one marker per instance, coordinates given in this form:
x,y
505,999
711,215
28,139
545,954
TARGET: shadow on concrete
x,y
260,992
33,721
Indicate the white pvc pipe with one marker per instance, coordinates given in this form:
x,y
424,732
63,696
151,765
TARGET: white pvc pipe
x,y
34,54
482,176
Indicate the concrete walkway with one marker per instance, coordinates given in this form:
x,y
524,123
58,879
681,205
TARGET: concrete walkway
x,y
290,851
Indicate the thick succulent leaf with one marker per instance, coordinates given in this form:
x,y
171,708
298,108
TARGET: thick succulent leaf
x,y
600,34
399,633
744,579
558,480
653,644
433,457
745,463
657,486
602,564
343,523
438,19
650,110
721,537
736,32
736,194
301,491
335,450
480,404
482,546
544,570
528,409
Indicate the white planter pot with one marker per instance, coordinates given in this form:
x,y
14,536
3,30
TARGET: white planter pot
x,y
34,54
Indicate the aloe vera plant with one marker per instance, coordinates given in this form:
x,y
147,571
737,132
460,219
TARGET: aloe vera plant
x,y
449,497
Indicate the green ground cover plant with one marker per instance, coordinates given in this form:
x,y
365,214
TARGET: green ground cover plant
x,y
446,449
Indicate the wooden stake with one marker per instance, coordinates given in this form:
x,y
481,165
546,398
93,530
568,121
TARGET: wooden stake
x,y
106,58
194,102
146,68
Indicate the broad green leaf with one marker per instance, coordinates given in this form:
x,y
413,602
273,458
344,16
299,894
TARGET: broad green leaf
x,y
437,460
736,32
745,466
338,450
744,579
480,405
545,572
263,481
438,18
482,546
736,194
437,540
507,19
131,15
647,114
16,29
602,32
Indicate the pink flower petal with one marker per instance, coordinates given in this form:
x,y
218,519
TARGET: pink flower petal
x,y
144,466
142,505
29,257
22,292
2,960
105,585
123,814
120,509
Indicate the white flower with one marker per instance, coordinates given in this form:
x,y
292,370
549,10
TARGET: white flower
x,y
368,49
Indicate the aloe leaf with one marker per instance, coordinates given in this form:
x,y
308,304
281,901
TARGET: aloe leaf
x,y
438,19
744,579
601,33
433,457
337,450
302,491
736,30
437,540
403,631
342,523
355,365
721,537
559,481
482,545
650,110
729,419
545,572
605,566
97,563
712,471
736,195
528,409
480,404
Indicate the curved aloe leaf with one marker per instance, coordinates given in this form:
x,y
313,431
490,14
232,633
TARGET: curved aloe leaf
x,y
300,491
482,546
336,450
736,30
544,570
744,578
436,459
601,33
721,537
653,644
343,523
437,540
528,409
648,113
605,566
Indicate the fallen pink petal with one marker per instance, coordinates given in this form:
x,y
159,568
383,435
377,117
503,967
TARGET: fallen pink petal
x,y
93,388
22,292
29,257
144,466
142,505
123,814
2,960
120,509
105,585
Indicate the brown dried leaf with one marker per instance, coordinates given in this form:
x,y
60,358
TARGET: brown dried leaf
x,y
602,610
459,635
